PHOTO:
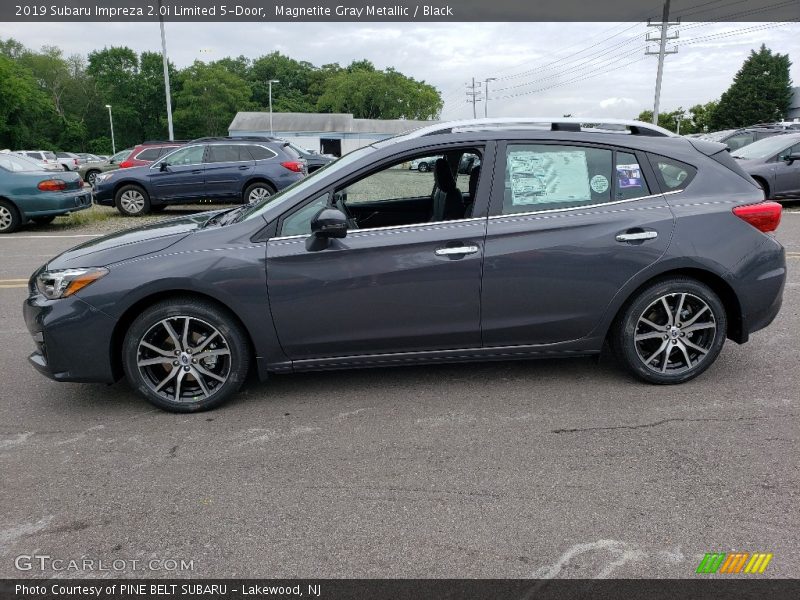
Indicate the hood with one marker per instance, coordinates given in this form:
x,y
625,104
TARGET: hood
x,y
750,164
130,243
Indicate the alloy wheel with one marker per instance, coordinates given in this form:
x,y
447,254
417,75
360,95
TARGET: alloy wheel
x,y
184,359
257,194
675,333
6,218
132,202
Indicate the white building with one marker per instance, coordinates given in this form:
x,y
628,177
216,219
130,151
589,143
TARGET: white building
x,y
794,107
328,133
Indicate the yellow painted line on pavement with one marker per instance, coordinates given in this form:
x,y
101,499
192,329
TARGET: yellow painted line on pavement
x,y
11,287
7,284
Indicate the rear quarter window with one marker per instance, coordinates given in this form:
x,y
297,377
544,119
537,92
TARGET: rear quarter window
x,y
149,154
260,152
673,175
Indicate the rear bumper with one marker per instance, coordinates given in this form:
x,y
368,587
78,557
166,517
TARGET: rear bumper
x,y
759,285
54,203
72,339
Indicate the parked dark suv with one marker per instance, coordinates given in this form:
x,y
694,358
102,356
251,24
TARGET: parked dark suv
x,y
224,169
564,238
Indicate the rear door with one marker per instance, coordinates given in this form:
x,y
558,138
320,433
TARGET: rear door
x,y
569,225
228,167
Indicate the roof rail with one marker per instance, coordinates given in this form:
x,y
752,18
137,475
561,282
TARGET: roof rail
x,y
238,138
154,142
555,124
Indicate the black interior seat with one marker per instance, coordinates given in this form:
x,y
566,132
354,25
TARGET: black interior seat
x,y
474,176
448,203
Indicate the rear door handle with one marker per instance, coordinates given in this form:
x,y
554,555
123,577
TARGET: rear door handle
x,y
243,168
455,251
636,236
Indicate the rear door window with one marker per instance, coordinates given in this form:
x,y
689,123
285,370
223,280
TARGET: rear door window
x,y
629,182
554,176
219,153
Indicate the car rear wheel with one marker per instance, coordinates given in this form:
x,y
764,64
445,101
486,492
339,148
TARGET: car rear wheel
x,y
256,192
671,332
43,220
185,355
423,167
132,201
91,176
9,217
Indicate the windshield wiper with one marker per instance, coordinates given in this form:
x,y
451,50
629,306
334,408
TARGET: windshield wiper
x,y
218,218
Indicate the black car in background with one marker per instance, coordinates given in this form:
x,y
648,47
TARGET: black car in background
x,y
562,240
314,160
223,169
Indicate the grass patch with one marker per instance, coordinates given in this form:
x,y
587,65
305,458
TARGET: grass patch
x,y
95,214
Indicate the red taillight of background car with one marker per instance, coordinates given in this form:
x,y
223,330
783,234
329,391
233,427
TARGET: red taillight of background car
x,y
126,164
764,216
293,165
52,185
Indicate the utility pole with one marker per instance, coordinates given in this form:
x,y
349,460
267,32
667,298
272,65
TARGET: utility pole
x,y
166,73
270,82
486,95
473,95
678,119
663,38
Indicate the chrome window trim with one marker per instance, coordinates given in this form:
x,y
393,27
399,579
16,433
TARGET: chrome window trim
x,y
370,230
583,206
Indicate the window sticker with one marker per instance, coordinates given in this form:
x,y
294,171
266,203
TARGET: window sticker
x,y
629,176
542,177
599,184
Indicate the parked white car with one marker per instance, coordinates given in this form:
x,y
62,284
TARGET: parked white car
x,y
69,160
47,159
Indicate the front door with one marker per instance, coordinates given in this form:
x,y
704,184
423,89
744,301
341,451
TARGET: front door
x,y
570,225
183,178
787,176
403,288
227,168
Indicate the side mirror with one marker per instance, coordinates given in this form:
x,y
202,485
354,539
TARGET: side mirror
x,y
163,166
791,158
329,223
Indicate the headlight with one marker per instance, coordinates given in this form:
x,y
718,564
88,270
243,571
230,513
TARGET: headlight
x,y
65,282
102,177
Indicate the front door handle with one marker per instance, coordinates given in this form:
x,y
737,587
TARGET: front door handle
x,y
243,168
456,251
636,236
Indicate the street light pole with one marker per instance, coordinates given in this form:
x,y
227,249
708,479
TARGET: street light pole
x,y
270,82
111,122
486,95
166,73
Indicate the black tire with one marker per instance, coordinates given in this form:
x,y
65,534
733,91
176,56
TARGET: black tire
x,y
181,374
43,220
423,167
669,352
9,217
255,192
764,186
132,201
90,175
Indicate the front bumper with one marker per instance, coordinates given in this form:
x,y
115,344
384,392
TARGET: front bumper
x,y
103,194
73,339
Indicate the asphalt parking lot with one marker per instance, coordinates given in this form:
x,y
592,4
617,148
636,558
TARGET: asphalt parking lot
x,y
562,468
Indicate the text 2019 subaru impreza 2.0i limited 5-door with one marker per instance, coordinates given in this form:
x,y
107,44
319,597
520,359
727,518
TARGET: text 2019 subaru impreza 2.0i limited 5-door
x,y
564,237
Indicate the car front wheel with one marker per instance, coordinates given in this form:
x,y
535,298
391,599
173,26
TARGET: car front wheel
x,y
671,332
132,201
185,355
423,167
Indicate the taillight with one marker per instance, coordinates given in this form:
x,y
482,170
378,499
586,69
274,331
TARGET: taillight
x,y
293,165
764,216
52,185
125,164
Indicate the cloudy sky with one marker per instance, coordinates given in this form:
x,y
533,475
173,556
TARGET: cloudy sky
x,y
542,69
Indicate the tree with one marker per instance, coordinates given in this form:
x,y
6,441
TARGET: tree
x,y
669,120
761,92
371,94
26,111
209,98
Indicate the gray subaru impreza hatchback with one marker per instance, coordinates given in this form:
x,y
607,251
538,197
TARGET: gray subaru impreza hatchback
x,y
562,237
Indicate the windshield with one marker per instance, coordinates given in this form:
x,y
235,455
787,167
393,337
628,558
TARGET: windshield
x,y
122,155
15,163
765,148
299,188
